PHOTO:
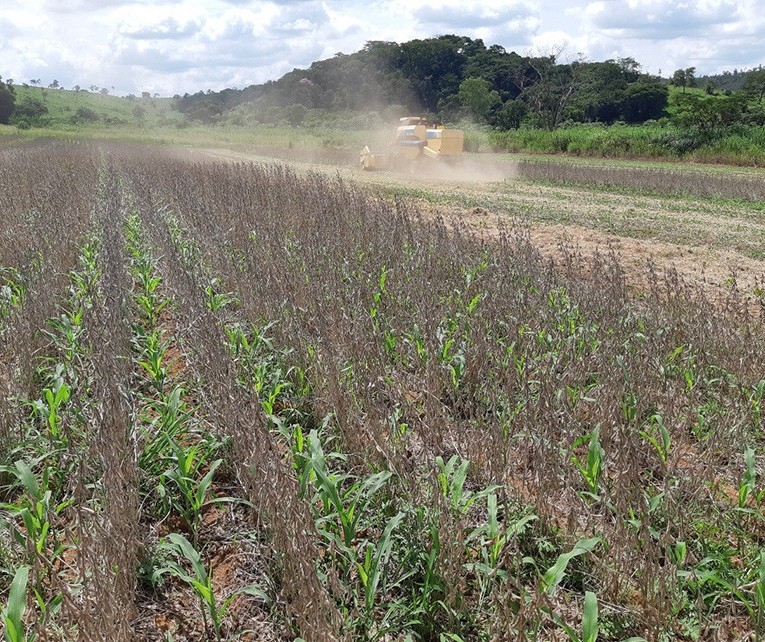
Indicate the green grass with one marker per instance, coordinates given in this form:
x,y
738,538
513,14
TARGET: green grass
x,y
62,105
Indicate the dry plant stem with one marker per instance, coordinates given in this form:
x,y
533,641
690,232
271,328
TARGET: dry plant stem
x,y
269,483
111,539
586,411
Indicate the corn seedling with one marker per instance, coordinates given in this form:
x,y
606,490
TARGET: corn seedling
x,y
12,291
755,395
748,485
344,505
759,594
658,436
35,509
183,487
555,574
371,568
216,300
490,539
200,581
452,476
50,408
169,423
590,625
451,353
151,348
590,468
66,333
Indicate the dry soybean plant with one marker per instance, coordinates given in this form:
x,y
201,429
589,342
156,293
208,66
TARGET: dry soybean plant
x,y
315,415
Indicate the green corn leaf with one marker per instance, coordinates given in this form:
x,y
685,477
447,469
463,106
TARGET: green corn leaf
x,y
255,591
27,478
590,618
190,553
555,574
17,604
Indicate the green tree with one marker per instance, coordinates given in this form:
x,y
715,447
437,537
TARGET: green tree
x,y
684,78
30,108
478,98
644,100
510,115
754,85
7,101
433,67
85,114
601,90
708,114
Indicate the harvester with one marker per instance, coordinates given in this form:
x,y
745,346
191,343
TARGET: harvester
x,y
414,140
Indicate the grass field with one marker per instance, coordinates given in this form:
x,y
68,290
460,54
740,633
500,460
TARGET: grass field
x,y
269,402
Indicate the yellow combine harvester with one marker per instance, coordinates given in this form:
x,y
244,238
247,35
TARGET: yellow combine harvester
x,y
415,140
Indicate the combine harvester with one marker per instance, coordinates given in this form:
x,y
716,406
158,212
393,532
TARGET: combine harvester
x,y
415,141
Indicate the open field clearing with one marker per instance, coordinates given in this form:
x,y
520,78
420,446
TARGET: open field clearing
x,y
264,402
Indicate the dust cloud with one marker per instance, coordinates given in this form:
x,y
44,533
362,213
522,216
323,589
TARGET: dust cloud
x,y
469,170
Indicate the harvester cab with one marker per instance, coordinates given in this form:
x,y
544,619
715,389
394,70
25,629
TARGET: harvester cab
x,y
415,139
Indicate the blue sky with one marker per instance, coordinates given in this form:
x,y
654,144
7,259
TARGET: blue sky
x,y
177,46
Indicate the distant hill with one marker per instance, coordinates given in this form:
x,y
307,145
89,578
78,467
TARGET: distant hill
x,y
429,77
56,107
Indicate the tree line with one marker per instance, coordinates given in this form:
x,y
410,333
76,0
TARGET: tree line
x,y
453,77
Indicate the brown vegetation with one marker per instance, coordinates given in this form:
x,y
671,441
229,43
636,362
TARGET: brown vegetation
x,y
393,427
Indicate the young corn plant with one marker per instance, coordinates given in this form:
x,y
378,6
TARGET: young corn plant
x,y
33,531
748,487
759,595
217,300
199,579
12,291
590,624
371,572
151,347
489,540
343,504
656,434
452,476
166,421
591,467
554,575
50,409
185,486
755,395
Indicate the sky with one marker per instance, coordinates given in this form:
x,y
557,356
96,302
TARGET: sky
x,y
177,46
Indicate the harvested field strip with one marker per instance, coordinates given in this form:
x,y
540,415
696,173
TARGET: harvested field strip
x,y
729,185
721,226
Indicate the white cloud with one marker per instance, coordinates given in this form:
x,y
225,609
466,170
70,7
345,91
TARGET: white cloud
x,y
178,46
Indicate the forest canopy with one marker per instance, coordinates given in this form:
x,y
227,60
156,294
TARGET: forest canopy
x,y
453,77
